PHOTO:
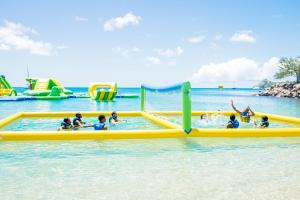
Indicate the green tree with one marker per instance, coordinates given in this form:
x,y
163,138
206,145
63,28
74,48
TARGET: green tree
x,y
289,67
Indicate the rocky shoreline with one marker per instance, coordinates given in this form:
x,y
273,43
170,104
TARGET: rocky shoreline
x,y
290,90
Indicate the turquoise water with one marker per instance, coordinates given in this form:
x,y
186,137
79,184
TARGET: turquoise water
x,y
52,124
191,168
220,122
203,99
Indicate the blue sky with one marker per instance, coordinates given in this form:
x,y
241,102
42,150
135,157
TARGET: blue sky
x,y
154,42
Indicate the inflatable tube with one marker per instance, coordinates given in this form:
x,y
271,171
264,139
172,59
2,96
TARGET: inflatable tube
x,y
103,91
172,131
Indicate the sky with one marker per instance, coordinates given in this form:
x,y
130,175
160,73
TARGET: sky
x,y
235,43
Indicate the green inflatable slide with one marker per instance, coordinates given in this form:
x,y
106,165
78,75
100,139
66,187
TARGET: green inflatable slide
x,y
5,88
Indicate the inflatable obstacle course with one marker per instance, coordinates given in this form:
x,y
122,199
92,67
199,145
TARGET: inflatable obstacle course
x,y
103,91
5,88
46,89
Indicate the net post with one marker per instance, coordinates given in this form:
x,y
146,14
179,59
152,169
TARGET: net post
x,y
186,107
143,92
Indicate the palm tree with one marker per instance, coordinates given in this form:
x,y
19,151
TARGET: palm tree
x,y
289,67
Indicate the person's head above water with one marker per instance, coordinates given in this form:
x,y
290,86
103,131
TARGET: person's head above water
x,y
67,120
232,117
265,118
78,115
114,114
247,110
203,116
102,118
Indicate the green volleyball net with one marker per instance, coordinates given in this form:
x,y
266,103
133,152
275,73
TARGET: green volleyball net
x,y
164,101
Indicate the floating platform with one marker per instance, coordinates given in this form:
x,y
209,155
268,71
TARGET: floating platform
x,y
169,129
27,98
127,96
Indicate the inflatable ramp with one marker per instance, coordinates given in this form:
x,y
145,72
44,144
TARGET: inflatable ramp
x,y
46,88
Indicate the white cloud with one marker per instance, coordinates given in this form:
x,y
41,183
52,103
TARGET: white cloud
x,y
125,52
153,60
218,37
243,36
170,52
16,36
81,19
4,47
196,39
243,70
121,22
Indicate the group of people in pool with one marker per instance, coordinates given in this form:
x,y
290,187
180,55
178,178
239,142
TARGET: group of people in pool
x,y
78,123
245,116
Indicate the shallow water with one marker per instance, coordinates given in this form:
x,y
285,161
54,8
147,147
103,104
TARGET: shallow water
x,y
52,124
221,121
151,169
191,168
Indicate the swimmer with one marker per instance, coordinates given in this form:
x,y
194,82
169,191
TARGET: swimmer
x,y
233,123
204,116
244,115
66,125
101,124
264,123
77,121
113,119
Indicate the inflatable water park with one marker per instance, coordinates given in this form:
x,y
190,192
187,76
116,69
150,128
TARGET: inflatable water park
x,y
172,124
5,87
52,89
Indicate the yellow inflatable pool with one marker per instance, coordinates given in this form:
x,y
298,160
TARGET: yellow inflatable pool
x,y
169,129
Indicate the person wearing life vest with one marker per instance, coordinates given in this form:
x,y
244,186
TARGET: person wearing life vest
x,y
113,119
245,115
233,122
264,123
66,124
77,121
101,124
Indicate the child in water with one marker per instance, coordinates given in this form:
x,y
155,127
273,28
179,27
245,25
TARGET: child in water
x,y
113,119
77,121
245,115
101,124
233,123
66,125
264,123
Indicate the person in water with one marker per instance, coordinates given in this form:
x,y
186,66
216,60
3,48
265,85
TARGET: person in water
x,y
66,124
233,122
101,124
113,119
77,121
244,115
264,123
